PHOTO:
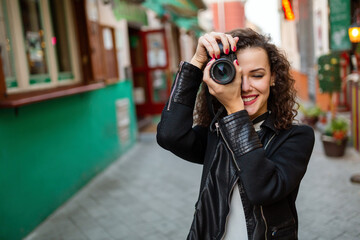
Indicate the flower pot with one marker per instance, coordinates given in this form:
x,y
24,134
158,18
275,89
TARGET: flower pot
x,y
311,121
333,147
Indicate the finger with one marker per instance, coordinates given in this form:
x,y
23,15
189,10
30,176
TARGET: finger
x,y
211,91
204,40
213,38
224,40
238,74
206,76
225,43
213,86
232,41
236,39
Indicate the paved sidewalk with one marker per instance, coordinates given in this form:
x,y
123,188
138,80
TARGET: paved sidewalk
x,y
150,194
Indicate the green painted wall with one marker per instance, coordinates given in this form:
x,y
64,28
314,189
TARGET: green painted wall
x,y
49,150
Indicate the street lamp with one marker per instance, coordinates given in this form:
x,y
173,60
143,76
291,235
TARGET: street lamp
x,y
354,29
354,33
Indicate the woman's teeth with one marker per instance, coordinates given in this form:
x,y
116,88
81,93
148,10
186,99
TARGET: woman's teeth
x,y
248,99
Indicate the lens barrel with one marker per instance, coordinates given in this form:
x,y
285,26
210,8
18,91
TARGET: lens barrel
x,y
222,71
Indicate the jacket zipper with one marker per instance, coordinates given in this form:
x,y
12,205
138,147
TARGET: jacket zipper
x,y
261,207
227,216
267,144
218,129
266,227
173,90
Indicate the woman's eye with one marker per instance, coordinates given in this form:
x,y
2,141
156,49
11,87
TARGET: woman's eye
x,y
258,76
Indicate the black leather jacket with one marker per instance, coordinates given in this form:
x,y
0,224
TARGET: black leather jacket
x,y
267,166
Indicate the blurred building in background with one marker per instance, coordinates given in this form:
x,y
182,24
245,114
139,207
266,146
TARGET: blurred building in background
x,y
315,36
66,102
77,80
305,37
228,15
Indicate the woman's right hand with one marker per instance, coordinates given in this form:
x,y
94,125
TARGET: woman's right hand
x,y
208,43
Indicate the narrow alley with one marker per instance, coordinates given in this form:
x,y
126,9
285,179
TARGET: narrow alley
x,y
149,193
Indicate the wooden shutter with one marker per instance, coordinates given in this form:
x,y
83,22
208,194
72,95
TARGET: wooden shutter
x,y
90,42
110,53
96,53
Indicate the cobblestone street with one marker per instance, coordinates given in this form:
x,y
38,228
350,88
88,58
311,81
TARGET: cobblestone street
x,y
150,194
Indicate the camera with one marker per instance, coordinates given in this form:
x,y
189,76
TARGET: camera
x,y
222,70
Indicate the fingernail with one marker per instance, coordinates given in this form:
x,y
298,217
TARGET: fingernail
x,y
227,51
237,63
218,56
234,49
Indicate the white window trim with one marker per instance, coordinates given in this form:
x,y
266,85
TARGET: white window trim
x,y
73,46
18,46
50,53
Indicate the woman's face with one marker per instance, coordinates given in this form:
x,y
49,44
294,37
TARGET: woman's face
x,y
256,80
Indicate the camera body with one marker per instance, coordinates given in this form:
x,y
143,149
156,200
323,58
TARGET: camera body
x,y
223,70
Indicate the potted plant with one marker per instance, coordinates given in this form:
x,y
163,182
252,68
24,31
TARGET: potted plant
x,y
335,137
311,114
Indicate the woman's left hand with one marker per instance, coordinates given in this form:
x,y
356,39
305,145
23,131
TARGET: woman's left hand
x,y
228,95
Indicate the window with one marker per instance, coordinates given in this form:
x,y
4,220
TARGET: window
x,y
37,44
60,40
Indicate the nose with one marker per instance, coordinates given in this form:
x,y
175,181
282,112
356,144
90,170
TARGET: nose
x,y
245,84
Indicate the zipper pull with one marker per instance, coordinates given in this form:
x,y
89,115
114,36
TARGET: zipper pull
x,y
217,128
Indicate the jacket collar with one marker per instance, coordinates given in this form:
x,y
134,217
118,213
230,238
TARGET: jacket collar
x,y
269,123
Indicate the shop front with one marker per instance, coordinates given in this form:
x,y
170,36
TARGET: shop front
x,y
66,105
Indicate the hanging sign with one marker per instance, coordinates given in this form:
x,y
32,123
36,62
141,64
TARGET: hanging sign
x,y
340,20
329,73
288,12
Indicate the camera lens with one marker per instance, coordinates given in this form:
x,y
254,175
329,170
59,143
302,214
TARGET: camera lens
x,y
222,71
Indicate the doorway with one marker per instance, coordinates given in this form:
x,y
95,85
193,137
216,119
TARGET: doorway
x,y
150,66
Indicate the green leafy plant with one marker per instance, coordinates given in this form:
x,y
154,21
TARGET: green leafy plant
x,y
311,111
337,128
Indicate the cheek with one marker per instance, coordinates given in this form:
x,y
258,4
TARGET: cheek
x,y
263,87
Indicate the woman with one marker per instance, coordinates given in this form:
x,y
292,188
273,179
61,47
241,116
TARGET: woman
x,y
253,156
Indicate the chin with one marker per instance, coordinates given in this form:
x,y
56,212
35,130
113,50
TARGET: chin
x,y
250,111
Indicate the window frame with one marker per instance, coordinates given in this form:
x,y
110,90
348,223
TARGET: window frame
x,y
24,93
21,65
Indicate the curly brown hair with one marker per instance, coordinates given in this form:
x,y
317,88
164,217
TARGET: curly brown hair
x,y
281,101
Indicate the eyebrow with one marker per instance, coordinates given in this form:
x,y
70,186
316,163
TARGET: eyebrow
x,y
257,69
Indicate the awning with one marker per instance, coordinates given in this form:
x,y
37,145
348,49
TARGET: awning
x,y
182,7
183,13
129,11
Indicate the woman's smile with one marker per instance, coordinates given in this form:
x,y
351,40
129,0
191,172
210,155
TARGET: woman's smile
x,y
248,100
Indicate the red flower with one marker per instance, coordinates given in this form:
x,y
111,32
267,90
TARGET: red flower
x,y
339,135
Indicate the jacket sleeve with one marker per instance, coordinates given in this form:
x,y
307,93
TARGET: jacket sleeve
x,y
175,132
267,180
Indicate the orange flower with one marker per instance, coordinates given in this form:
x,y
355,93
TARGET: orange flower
x,y
339,135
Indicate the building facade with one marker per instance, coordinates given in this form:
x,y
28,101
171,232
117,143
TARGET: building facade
x,y
66,104
76,79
